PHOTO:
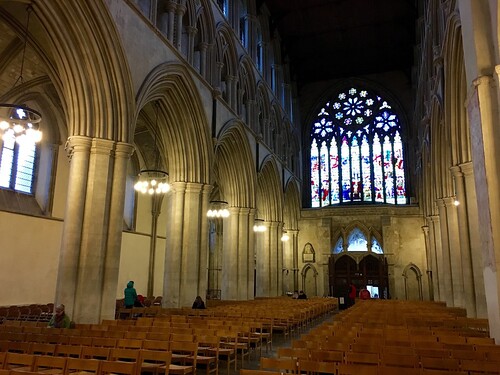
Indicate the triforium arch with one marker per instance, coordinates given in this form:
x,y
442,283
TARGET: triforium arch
x,y
236,179
413,282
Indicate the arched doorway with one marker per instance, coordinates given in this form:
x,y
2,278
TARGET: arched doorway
x,y
361,269
310,280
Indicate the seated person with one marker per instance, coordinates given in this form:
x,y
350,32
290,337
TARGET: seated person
x,y
60,319
198,303
302,295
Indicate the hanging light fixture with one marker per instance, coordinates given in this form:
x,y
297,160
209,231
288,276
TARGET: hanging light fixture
x,y
17,119
153,181
218,209
285,237
259,226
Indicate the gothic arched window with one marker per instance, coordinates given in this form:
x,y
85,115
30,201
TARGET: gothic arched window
x,y
357,151
17,164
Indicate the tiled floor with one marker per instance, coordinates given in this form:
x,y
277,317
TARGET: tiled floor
x,y
278,341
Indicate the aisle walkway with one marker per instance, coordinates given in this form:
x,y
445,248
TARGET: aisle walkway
x,y
278,341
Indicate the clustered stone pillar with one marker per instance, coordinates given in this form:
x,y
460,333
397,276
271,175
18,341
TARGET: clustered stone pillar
x,y
185,238
447,290
90,246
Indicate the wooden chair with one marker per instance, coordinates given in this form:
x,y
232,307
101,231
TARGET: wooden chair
x,y
399,360
159,336
104,342
356,369
395,370
315,367
479,367
297,353
80,366
426,371
362,358
141,335
68,351
80,341
129,343
154,361
95,352
117,367
183,353
208,353
258,372
49,364
156,345
40,348
124,355
19,361
436,363
288,365
17,347
327,356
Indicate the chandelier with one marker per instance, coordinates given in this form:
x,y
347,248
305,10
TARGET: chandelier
x,y
218,209
18,120
153,181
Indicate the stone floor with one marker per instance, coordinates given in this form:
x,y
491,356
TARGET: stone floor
x,y
278,341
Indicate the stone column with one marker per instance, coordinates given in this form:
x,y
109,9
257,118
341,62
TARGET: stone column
x,y
274,254
123,152
78,148
231,91
437,258
235,255
447,291
428,256
262,262
475,240
294,242
192,31
184,236
203,59
482,107
179,12
156,201
251,255
171,7
465,251
95,233
204,242
455,255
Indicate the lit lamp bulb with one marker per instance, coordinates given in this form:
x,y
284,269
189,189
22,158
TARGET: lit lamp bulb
x,y
456,202
285,237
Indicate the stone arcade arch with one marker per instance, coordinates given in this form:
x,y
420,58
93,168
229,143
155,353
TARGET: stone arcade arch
x,y
309,280
413,282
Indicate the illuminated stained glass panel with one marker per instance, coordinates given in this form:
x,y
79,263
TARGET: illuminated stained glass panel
x,y
376,248
334,172
325,176
339,246
377,170
357,151
315,175
399,168
366,167
17,166
345,170
356,241
356,185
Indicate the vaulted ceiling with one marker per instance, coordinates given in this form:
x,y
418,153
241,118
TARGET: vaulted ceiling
x,y
329,39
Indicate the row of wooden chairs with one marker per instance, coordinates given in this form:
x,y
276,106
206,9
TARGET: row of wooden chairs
x,y
154,362
318,362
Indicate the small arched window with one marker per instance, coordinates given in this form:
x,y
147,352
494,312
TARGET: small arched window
x,y
17,164
357,151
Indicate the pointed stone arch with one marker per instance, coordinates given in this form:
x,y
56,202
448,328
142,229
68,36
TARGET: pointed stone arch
x,y
234,166
413,282
270,196
187,147
291,208
309,281
97,104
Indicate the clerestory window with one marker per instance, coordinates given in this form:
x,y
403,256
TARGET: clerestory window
x,y
357,151
17,164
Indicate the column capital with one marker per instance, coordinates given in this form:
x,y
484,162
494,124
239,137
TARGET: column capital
x,y
481,80
440,202
178,186
124,149
434,218
77,143
456,171
449,202
193,187
102,146
467,168
425,229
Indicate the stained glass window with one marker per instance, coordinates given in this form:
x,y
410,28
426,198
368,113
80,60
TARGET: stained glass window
x,y
17,163
356,241
376,248
339,247
357,151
